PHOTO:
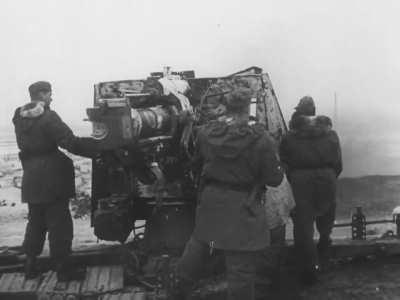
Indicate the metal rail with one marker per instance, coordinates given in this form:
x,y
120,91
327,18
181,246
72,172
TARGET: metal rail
x,y
359,222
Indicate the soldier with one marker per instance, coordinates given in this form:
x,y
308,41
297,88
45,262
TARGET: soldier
x,y
306,107
48,179
312,155
239,159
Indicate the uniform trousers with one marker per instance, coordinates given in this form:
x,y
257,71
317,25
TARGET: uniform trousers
x,y
241,269
315,196
55,219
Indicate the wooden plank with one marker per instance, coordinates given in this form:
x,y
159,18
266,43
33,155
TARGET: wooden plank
x,y
15,286
68,290
94,278
61,286
11,268
42,286
89,256
74,287
6,281
31,285
51,289
46,288
90,283
116,278
104,279
49,282
17,282
86,280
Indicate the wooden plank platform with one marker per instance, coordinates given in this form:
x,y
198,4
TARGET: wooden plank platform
x,y
99,281
15,284
13,260
50,288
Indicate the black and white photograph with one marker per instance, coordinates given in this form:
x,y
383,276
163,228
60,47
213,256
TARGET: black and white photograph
x,y
199,150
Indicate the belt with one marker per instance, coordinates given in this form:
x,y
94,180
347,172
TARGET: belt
x,y
241,187
24,155
311,168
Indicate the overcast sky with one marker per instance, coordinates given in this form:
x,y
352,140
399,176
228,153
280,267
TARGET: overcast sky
x,y
307,47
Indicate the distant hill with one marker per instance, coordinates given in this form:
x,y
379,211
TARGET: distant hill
x,y
377,195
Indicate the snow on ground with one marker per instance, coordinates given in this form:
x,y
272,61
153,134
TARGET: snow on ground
x,y
13,213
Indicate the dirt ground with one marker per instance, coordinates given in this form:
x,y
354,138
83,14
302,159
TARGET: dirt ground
x,y
374,280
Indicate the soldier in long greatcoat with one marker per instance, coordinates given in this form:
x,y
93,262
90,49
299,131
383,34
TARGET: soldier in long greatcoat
x,y
48,181
312,156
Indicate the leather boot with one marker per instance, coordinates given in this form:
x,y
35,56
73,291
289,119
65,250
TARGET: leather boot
x,y
181,288
31,270
66,272
323,247
309,276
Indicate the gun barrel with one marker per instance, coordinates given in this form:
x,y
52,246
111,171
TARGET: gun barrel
x,y
152,121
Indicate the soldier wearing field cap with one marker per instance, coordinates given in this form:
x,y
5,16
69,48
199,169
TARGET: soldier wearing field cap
x,y
48,179
306,107
238,159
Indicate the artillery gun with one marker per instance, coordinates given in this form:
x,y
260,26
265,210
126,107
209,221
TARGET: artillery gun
x,y
147,127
